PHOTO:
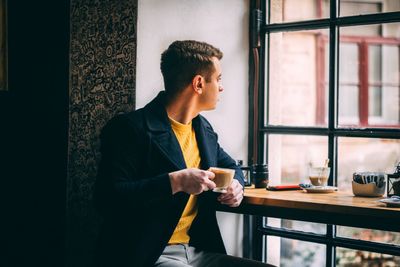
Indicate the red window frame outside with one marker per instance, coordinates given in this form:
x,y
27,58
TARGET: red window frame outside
x,y
363,83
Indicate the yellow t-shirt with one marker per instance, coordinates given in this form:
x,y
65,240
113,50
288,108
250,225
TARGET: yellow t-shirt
x,y
187,141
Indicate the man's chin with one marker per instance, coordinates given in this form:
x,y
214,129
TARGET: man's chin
x,y
213,107
210,108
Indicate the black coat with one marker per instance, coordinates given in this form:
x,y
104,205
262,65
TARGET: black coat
x,y
133,190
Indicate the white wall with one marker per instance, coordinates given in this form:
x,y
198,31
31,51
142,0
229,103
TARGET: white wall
x,y
224,24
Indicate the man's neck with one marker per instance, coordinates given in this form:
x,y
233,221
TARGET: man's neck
x,y
182,108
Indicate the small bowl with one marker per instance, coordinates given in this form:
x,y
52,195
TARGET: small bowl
x,y
368,190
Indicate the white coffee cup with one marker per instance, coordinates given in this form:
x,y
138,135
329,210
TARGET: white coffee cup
x,y
223,178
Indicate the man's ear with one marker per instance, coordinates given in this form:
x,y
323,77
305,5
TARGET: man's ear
x,y
198,84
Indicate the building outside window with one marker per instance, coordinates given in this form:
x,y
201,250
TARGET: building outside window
x,y
298,129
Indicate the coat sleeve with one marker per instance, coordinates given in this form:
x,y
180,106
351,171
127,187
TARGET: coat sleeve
x,y
119,185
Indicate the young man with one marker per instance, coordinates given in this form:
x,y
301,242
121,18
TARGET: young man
x,y
153,187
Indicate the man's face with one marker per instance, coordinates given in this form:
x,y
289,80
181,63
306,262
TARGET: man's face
x,y
212,88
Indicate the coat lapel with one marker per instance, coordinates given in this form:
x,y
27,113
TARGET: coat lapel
x,y
169,146
161,133
207,142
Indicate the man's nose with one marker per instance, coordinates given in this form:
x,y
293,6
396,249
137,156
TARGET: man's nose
x,y
221,88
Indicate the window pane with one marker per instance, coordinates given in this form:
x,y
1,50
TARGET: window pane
x,y
369,30
348,257
387,30
358,7
390,108
295,78
391,68
369,76
375,102
289,252
348,105
374,64
348,84
349,60
365,154
295,10
289,157
316,228
379,236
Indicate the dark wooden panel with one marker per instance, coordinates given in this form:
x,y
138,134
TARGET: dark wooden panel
x,y
102,84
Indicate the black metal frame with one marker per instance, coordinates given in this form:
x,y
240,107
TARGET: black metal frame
x,y
331,241
255,231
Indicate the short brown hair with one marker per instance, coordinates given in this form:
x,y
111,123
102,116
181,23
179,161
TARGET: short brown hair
x,y
185,59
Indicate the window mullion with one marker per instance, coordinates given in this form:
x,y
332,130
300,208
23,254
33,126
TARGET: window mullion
x,y
333,90
363,83
332,117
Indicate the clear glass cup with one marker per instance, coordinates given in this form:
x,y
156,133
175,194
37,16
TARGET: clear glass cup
x,y
319,175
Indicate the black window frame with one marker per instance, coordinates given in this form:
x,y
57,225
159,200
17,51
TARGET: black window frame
x,y
259,129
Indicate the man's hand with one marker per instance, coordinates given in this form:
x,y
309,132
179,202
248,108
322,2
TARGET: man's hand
x,y
192,181
233,196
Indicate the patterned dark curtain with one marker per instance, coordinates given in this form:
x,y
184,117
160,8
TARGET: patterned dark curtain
x,y
102,84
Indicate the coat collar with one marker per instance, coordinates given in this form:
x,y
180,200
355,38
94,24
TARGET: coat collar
x,y
156,116
160,130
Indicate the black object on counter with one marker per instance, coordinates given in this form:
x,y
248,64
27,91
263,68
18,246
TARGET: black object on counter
x,y
246,172
259,175
393,183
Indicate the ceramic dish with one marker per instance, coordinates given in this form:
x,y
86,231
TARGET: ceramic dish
x,y
393,202
320,189
368,190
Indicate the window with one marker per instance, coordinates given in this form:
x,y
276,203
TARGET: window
x,y
368,76
329,88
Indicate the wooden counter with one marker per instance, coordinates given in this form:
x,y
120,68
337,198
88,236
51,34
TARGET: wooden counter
x,y
340,208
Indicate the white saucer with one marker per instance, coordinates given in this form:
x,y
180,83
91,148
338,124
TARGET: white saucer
x,y
321,189
219,190
391,202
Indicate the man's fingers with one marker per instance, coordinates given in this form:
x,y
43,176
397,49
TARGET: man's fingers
x,y
210,175
233,199
205,180
230,197
210,184
233,190
233,202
